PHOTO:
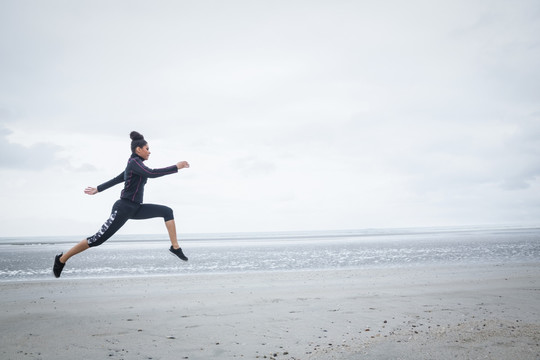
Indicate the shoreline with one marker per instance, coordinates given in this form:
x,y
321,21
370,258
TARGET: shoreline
x,y
66,276
472,311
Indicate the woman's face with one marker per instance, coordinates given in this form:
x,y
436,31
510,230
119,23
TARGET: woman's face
x,y
143,152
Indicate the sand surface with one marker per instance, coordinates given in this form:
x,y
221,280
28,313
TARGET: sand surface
x,y
466,312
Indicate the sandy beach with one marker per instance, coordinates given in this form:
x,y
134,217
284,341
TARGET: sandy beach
x,y
466,312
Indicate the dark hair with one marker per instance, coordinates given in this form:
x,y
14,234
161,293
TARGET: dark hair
x,y
137,140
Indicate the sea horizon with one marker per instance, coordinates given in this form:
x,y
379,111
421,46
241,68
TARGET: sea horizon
x,y
266,235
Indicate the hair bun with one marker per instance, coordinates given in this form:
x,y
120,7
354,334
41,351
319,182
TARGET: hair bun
x,y
136,136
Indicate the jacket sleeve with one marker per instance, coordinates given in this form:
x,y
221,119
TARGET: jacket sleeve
x,y
139,168
115,181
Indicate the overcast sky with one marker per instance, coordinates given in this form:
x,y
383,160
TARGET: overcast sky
x,y
294,115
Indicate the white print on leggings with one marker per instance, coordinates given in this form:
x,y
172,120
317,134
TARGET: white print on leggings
x,y
104,228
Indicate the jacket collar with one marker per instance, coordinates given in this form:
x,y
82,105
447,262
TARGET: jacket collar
x,y
133,156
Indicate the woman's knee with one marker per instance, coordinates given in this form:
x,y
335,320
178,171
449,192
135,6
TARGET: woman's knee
x,y
94,241
168,214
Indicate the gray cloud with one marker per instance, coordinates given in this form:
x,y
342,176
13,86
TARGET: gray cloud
x,y
39,156
36,157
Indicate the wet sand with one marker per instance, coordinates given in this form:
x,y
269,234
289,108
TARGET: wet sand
x,y
463,312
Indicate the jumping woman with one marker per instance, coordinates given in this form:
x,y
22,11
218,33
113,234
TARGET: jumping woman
x,y
130,205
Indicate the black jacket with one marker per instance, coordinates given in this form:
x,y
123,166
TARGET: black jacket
x,y
135,177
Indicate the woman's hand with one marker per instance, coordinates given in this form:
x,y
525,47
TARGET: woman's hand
x,y
182,164
91,190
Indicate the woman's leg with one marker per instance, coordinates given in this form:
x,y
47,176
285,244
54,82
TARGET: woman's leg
x,y
112,225
171,229
107,230
148,211
119,216
79,248
175,248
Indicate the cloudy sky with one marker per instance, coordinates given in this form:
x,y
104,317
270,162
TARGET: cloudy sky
x,y
294,115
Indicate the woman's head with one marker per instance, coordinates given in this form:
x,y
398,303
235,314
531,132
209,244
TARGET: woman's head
x,y
139,146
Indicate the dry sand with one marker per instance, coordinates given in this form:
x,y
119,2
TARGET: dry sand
x,y
465,312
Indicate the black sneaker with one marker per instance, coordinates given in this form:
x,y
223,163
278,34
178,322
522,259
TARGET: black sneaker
x,y
178,252
58,266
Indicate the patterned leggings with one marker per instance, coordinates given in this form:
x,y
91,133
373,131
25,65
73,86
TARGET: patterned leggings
x,y
122,211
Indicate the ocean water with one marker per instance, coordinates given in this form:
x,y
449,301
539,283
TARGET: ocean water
x,y
28,259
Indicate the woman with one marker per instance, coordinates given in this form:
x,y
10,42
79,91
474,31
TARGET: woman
x,y
130,205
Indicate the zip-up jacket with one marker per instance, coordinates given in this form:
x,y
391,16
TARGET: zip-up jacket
x,y
135,177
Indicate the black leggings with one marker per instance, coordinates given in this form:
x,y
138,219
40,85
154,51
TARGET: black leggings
x,y
122,211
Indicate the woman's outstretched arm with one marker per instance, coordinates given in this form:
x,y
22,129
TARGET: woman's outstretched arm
x,y
94,190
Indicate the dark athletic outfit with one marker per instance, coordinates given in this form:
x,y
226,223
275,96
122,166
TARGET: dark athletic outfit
x,y
130,205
